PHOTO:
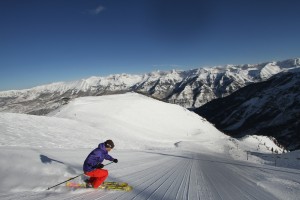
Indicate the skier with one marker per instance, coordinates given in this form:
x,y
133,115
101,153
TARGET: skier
x,y
92,166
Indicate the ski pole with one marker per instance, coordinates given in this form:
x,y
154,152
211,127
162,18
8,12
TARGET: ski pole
x,y
72,178
64,181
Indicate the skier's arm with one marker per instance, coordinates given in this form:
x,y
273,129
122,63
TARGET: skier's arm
x,y
108,157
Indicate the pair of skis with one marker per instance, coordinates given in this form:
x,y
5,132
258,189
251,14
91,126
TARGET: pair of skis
x,y
118,186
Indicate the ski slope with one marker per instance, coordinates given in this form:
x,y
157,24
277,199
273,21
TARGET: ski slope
x,y
164,152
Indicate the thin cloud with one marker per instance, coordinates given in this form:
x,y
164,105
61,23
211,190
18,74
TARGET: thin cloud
x,y
96,11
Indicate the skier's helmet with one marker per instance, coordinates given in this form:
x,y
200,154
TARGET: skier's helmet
x,y
109,144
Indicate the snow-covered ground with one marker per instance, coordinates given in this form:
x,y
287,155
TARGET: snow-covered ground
x,y
164,152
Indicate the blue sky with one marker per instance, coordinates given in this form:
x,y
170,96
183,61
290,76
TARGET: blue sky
x,y
44,41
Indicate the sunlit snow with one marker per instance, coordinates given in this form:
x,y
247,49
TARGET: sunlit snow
x,y
164,151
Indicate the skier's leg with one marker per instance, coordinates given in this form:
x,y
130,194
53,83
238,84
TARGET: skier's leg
x,y
97,177
91,179
102,175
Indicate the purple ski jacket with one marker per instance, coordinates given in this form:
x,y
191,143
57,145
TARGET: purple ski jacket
x,y
95,157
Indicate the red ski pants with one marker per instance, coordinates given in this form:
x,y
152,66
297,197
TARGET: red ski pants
x,y
97,176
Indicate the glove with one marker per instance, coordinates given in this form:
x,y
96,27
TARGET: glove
x,y
99,166
115,160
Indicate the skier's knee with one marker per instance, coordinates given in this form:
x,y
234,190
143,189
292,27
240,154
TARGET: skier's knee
x,y
105,172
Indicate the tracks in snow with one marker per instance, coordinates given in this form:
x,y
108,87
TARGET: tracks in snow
x,y
168,176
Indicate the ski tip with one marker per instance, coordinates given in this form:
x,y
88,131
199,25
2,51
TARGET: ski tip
x,y
128,188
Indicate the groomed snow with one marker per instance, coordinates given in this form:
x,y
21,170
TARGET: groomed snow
x,y
164,152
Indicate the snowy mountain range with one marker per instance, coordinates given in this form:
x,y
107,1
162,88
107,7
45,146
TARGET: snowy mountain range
x,y
190,89
269,108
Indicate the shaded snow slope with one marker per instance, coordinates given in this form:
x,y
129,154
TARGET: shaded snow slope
x,y
270,108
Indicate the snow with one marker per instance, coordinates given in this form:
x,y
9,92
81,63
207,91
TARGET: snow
x,y
269,70
164,152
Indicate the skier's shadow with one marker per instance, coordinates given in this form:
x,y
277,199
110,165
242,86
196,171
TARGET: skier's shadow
x,y
47,160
